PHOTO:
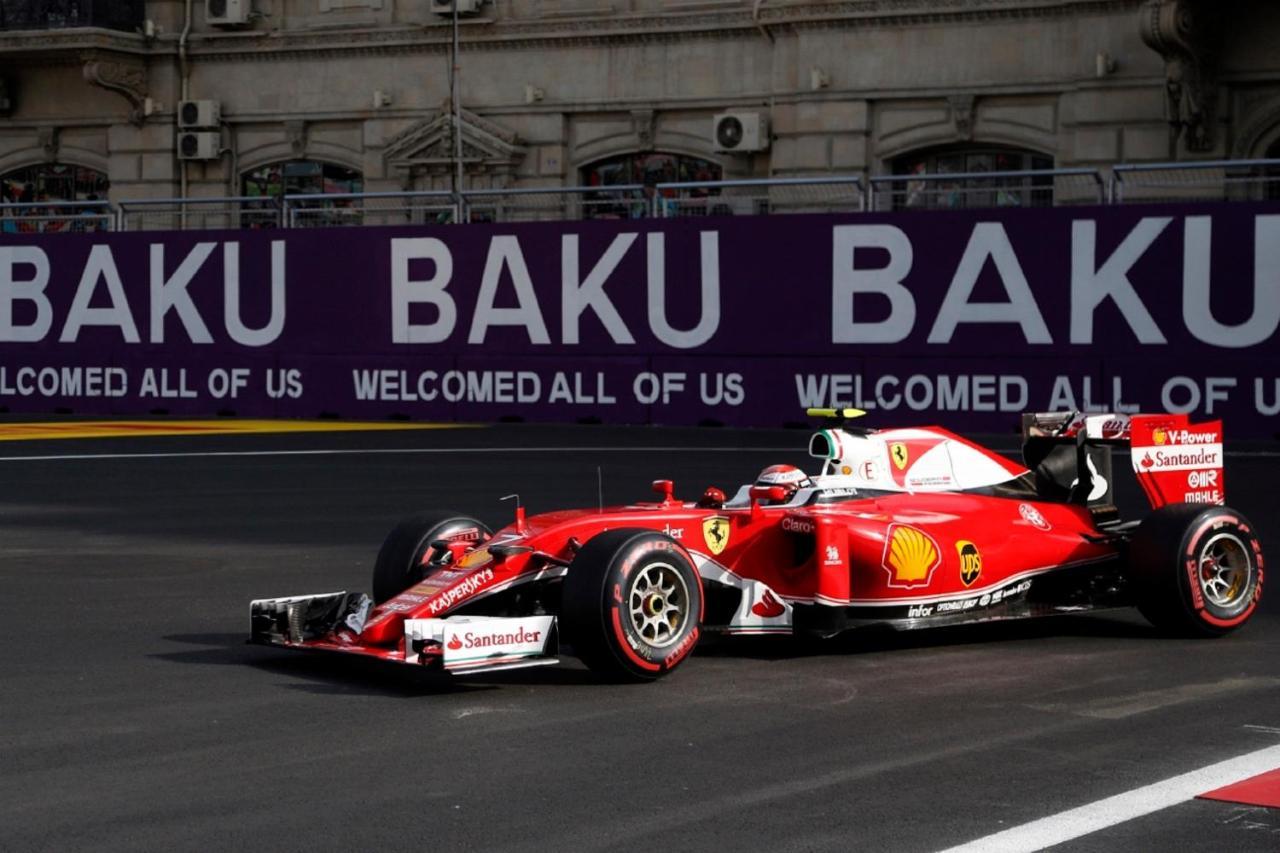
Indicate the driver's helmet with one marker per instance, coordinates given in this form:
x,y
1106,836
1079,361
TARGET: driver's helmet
x,y
789,477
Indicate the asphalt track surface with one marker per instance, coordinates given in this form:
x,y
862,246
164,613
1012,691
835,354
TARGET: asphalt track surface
x,y
134,717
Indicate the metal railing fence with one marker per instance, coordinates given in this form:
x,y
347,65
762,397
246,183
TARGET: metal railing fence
x,y
1211,180
330,210
759,196
197,214
54,217
1027,188
1218,180
617,201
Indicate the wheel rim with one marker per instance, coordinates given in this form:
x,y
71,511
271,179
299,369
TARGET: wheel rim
x,y
1225,569
658,602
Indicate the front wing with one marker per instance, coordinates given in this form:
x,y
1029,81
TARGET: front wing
x,y
454,644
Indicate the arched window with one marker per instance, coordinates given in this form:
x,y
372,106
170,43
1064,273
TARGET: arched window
x,y
646,170
54,182
301,177
58,185
974,191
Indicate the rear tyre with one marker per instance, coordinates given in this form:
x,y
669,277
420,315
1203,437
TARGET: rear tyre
x,y
631,604
407,552
1197,570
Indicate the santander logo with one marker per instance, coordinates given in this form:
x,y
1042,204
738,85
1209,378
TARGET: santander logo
x,y
489,639
1146,461
768,606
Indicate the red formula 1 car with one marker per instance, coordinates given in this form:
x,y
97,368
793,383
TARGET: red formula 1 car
x,y
909,528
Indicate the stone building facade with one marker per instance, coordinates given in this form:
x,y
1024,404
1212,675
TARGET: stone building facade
x,y
330,95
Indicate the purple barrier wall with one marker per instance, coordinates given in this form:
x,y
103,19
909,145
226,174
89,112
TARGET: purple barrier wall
x,y
963,318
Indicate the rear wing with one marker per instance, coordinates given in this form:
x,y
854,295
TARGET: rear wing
x,y
1174,460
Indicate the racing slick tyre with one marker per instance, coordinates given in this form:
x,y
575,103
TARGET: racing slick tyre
x,y
1197,570
407,550
631,604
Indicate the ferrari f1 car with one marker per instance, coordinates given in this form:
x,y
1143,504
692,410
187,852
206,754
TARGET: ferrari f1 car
x,y
909,528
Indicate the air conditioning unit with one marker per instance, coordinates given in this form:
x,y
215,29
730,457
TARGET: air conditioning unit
x,y
199,145
740,131
227,13
199,114
466,8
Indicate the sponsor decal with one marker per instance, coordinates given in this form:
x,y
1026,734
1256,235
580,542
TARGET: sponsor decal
x,y
869,470
842,492
910,556
469,585
970,561
400,606
833,556
898,453
1197,599
797,525
681,650
477,640
846,470
929,482
1202,479
1032,516
768,606
959,605
1159,436
673,532
466,534
1206,456
716,530
1185,436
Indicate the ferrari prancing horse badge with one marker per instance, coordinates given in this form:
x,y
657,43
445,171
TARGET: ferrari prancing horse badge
x,y
716,531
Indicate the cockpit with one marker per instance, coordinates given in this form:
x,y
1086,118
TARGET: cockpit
x,y
858,463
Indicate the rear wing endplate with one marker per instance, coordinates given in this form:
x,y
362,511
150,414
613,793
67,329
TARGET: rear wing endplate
x,y
1174,460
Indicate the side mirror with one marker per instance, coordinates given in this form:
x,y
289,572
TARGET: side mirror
x,y
665,489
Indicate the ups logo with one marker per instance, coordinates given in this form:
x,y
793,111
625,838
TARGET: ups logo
x,y
970,561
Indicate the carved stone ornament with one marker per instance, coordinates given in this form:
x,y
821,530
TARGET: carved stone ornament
x,y
49,141
128,79
962,114
643,124
1185,34
296,133
428,145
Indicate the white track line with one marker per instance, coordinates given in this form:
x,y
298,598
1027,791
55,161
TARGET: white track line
x,y
1059,828
375,451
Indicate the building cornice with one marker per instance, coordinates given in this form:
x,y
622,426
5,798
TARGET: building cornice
x,y
504,34
58,44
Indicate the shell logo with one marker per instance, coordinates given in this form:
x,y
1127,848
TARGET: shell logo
x,y
1159,436
910,556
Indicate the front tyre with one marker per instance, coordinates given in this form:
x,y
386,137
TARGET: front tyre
x,y
631,604
407,550
1197,569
